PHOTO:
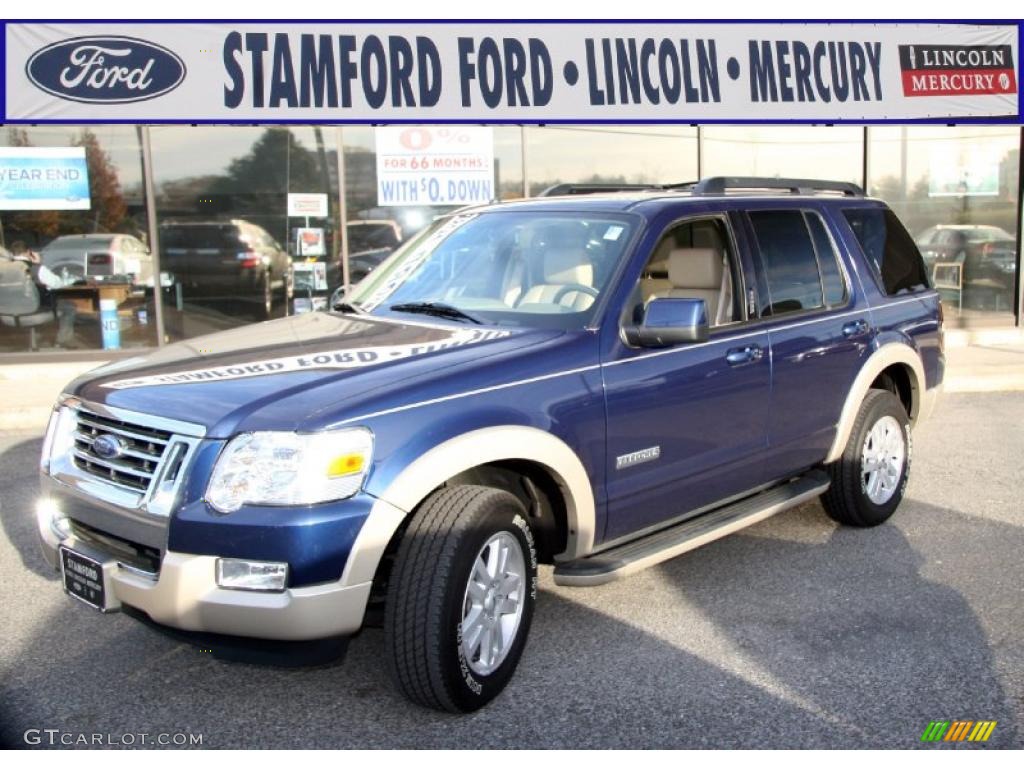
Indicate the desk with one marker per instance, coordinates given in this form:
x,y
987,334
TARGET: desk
x,y
86,298
73,301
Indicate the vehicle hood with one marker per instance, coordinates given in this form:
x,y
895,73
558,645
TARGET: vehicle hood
x,y
298,372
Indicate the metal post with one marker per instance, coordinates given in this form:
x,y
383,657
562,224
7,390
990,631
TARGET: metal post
x,y
903,162
154,233
339,143
865,168
1018,283
522,145
700,153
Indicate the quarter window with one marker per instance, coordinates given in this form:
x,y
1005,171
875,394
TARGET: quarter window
x,y
889,249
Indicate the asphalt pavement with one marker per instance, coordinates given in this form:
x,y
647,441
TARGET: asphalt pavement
x,y
793,633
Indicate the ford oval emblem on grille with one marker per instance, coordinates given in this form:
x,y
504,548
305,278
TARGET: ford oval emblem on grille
x,y
107,447
105,70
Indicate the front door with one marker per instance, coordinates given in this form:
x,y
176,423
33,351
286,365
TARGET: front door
x,y
687,425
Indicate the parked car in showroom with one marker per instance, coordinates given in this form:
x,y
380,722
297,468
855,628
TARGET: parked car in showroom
x,y
99,257
596,383
984,250
228,262
371,241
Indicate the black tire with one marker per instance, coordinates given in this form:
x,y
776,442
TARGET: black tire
x,y
847,500
427,592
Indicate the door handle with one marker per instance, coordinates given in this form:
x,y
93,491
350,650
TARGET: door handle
x,y
741,355
856,328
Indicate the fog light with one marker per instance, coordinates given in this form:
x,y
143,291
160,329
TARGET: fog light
x,y
51,518
252,575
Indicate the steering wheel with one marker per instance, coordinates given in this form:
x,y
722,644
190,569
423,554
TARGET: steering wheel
x,y
574,287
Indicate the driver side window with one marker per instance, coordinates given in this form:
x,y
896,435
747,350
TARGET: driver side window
x,y
694,260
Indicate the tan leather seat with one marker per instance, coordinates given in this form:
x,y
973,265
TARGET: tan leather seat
x,y
699,273
563,268
655,280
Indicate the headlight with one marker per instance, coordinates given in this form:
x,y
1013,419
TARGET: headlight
x,y
60,433
290,469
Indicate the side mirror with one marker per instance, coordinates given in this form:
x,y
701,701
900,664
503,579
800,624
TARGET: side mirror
x,y
670,321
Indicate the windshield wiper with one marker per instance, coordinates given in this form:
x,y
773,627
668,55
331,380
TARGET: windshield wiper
x,y
347,308
435,308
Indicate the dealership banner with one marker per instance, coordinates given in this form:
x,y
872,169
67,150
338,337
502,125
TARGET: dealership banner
x,y
44,179
509,71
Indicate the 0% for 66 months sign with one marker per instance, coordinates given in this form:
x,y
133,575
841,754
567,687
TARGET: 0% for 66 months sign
x,y
434,166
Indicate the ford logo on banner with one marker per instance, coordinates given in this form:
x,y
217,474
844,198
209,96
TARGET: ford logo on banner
x,y
105,70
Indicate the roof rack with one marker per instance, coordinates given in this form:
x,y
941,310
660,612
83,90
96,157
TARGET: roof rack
x,y
719,185
713,185
598,188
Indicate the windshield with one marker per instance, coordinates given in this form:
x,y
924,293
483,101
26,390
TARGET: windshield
x,y
531,269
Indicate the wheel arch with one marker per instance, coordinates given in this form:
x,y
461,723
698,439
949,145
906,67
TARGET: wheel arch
x,y
528,451
895,366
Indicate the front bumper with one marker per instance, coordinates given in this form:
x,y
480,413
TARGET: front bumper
x,y
184,595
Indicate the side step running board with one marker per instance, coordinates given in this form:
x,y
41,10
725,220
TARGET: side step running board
x,y
633,556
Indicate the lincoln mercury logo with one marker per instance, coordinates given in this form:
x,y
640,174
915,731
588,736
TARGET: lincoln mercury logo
x,y
952,70
105,70
107,447
638,457
959,730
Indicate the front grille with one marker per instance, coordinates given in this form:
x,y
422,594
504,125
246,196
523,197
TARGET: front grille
x,y
141,449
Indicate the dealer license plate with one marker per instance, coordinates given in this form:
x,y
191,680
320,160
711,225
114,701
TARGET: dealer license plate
x,y
83,578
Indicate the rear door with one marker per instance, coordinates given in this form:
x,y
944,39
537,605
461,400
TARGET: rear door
x,y
819,330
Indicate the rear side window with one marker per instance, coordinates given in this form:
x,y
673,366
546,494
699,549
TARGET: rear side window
x,y
789,260
889,249
831,277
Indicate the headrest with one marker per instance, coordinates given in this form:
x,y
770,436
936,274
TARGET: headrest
x,y
567,266
695,268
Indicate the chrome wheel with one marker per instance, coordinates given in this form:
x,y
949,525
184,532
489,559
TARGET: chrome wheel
x,y
492,607
882,459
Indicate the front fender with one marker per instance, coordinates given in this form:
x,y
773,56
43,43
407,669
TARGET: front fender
x,y
457,454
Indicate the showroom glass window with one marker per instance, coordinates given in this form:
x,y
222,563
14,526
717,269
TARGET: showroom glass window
x,y
957,190
62,253
227,242
808,152
609,154
377,226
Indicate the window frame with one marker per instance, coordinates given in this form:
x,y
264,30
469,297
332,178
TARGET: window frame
x,y
837,253
736,262
762,270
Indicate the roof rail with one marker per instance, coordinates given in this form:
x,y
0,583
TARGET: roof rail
x,y
719,185
595,188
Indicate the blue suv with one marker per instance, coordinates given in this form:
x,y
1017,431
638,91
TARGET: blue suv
x,y
598,381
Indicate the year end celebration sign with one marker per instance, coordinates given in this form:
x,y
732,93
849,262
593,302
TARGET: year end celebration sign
x,y
511,72
43,179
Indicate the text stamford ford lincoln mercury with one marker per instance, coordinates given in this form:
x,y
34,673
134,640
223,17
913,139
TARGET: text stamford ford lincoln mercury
x,y
598,379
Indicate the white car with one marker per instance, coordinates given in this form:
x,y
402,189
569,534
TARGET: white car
x,y
99,256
